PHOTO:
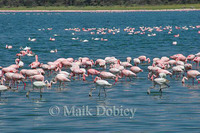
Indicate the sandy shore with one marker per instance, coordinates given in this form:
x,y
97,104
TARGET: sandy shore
x,y
100,10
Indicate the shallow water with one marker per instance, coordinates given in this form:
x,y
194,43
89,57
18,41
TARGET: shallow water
x,y
176,110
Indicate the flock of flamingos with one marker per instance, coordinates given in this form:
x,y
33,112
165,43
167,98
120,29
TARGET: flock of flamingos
x,y
67,69
102,71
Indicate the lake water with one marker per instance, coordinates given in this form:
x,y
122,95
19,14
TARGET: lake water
x,y
176,110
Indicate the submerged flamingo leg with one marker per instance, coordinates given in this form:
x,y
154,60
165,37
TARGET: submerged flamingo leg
x,y
24,84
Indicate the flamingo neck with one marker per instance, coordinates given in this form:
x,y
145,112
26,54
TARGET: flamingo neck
x,y
95,79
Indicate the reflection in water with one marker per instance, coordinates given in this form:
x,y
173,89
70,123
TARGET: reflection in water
x,y
194,87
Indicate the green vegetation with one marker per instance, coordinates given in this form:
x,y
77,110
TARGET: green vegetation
x,y
98,4
134,7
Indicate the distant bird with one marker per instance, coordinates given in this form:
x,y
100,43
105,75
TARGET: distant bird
x,y
32,40
8,46
52,39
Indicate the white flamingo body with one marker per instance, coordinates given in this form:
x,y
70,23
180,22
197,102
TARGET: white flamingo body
x,y
162,82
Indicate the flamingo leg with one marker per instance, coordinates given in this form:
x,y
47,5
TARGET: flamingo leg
x,y
104,91
17,85
24,84
59,84
114,82
40,92
193,81
99,91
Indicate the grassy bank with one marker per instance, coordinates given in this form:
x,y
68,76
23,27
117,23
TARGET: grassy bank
x,y
133,7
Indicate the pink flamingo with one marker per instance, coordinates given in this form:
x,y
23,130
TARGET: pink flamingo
x,y
60,78
36,63
125,64
98,61
18,77
191,74
52,39
158,71
197,60
128,59
144,58
177,70
8,46
8,77
128,73
176,35
8,69
78,71
108,75
29,73
66,63
172,62
190,57
89,63
188,66
136,61
136,69
37,77
165,59
92,72
115,70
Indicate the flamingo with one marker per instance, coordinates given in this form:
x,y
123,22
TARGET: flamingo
x,y
125,64
8,69
37,77
60,78
162,82
32,40
8,77
178,70
89,63
136,61
19,62
78,71
52,39
128,59
191,74
108,75
198,54
190,57
176,35
92,72
36,63
9,47
128,73
144,58
114,70
40,85
136,69
197,60
18,77
102,84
